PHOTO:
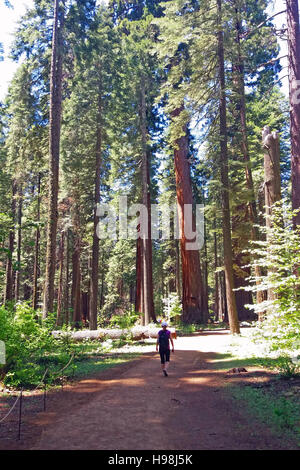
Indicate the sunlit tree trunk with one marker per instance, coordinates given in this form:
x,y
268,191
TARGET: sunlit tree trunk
x,y
294,87
193,301
272,181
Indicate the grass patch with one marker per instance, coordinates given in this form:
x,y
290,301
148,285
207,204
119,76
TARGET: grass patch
x,y
280,414
271,402
97,364
184,329
228,361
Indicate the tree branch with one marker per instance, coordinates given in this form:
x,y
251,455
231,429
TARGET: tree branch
x,y
246,35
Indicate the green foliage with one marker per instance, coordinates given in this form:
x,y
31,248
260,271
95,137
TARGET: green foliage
x,y
186,329
279,256
30,347
279,413
286,367
124,321
25,341
172,308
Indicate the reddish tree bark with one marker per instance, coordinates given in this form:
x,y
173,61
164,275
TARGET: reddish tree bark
x,y
294,87
193,301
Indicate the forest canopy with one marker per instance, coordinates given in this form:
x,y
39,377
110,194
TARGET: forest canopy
x,y
133,112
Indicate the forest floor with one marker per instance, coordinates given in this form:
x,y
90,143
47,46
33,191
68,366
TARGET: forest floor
x,y
132,406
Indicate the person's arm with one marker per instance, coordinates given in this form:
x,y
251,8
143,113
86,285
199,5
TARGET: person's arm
x,y
157,343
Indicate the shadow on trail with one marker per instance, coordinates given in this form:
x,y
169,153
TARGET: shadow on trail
x,y
133,406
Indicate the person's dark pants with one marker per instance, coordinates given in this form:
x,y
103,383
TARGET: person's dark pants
x,y
164,355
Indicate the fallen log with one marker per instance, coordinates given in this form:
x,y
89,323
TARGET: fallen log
x,y
136,333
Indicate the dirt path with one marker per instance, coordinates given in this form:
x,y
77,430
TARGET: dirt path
x,y
135,407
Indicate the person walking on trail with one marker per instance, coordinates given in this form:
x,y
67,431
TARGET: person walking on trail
x,y
163,342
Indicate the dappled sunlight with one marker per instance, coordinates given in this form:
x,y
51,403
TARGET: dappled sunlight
x,y
195,380
87,386
154,420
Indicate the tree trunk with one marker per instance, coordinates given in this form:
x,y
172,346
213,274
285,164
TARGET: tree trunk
x,y
205,273
95,256
8,294
272,181
146,243
178,283
218,304
193,302
66,306
36,269
59,319
54,143
85,307
241,106
294,88
138,283
230,295
19,243
76,283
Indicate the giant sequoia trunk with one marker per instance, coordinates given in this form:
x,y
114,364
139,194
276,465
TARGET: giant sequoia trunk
x,y
95,254
144,282
54,141
193,299
230,295
294,86
8,294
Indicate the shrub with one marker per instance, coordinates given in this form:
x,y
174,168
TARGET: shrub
x,y
124,321
30,347
279,259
